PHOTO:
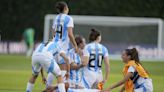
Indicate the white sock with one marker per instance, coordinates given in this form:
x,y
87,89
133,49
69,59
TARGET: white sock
x,y
61,87
29,87
50,78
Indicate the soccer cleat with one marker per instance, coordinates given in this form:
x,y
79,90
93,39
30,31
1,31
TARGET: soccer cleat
x,y
100,86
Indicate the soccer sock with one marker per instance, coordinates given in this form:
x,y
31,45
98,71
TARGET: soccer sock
x,y
61,87
29,87
50,78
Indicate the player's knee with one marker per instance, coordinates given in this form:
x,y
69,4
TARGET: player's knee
x,y
35,75
59,79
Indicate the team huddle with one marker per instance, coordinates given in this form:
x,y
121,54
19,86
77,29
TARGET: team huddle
x,y
79,69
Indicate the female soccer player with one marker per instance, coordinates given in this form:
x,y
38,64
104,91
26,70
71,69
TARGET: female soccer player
x,y
43,58
62,34
63,27
94,54
76,64
136,78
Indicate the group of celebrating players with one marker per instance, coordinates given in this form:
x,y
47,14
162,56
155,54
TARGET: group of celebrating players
x,y
80,68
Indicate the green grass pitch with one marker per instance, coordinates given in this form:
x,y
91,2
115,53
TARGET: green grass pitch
x,y
15,71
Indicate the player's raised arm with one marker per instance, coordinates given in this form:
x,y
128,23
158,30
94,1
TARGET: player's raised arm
x,y
53,32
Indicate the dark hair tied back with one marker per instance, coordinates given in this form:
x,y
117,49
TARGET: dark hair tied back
x,y
93,30
93,35
60,6
133,53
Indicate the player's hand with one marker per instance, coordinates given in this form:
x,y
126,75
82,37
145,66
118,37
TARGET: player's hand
x,y
100,86
106,90
76,49
104,81
44,80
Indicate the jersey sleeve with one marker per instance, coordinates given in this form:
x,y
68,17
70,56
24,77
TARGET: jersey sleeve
x,y
70,23
86,51
131,69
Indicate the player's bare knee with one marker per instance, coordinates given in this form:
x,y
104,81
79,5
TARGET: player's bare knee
x,y
35,76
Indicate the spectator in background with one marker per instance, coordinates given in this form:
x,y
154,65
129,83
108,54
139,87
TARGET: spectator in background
x,y
28,37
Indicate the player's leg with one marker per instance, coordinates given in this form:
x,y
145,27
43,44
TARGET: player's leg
x,y
55,70
148,84
58,73
27,47
30,49
50,78
61,85
145,87
36,67
63,68
31,83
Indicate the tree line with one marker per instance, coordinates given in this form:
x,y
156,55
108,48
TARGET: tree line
x,y
16,15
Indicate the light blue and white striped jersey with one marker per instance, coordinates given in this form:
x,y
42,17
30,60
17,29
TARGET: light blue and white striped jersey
x,y
50,47
96,53
75,75
60,26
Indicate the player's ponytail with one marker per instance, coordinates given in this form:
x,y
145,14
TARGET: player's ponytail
x,y
133,53
60,6
135,56
94,34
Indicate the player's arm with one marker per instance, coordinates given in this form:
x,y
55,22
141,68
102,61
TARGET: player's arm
x,y
53,32
107,68
75,66
43,77
122,88
72,38
70,33
126,78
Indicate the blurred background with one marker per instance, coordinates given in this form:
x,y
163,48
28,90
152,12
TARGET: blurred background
x,y
123,24
18,15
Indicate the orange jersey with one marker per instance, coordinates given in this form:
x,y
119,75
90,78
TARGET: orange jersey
x,y
129,86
